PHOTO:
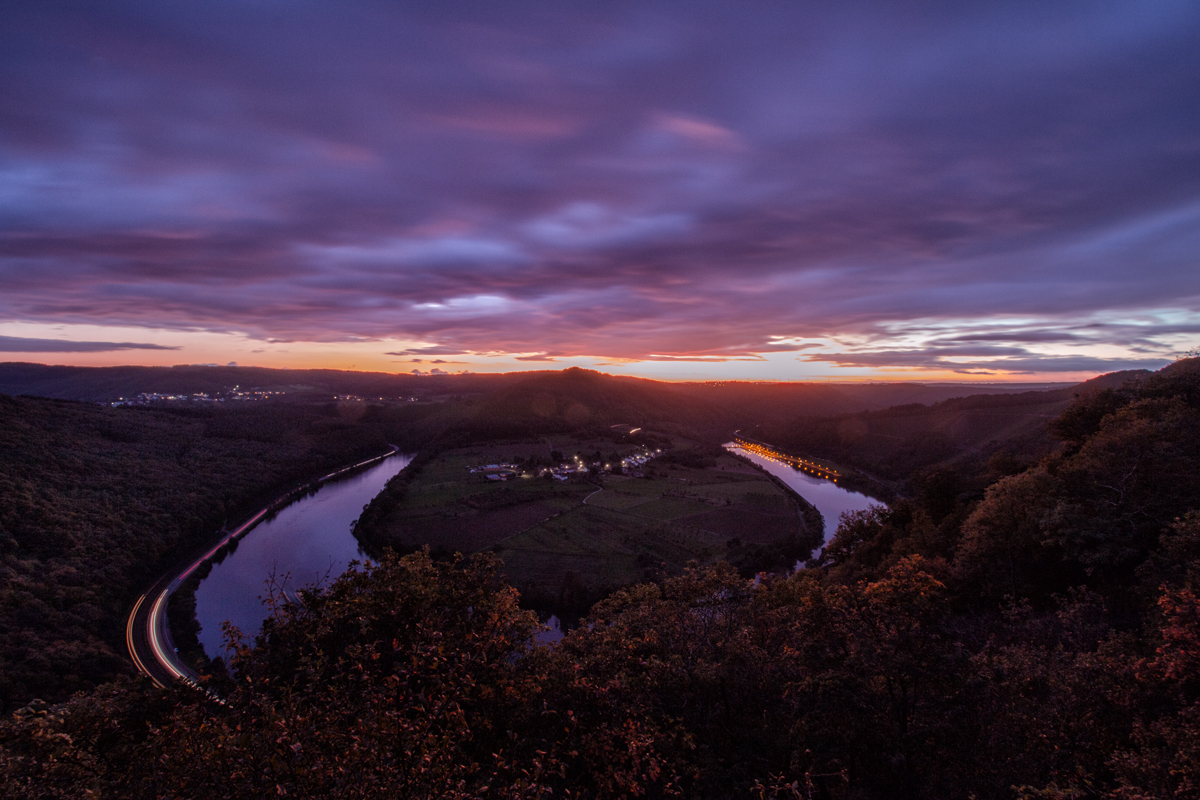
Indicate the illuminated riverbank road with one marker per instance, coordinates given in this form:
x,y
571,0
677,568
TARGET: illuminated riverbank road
x,y
811,467
147,632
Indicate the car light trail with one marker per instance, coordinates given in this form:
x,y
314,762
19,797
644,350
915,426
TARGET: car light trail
x,y
156,619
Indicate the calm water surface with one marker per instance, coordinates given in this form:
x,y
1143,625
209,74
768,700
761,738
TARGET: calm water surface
x,y
829,498
307,542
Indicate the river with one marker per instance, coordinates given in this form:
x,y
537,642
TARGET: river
x,y
829,498
310,542
307,542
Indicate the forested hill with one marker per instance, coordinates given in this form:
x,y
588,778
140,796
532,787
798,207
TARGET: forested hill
x,y
1038,642
979,437
105,384
577,400
753,403
95,502
574,395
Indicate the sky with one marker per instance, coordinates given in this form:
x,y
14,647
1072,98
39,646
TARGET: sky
x,y
676,190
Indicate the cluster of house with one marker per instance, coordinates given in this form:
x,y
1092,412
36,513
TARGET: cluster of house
x,y
497,472
630,465
235,394
356,399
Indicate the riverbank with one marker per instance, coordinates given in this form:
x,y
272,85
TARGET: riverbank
x,y
831,499
810,516
846,476
171,624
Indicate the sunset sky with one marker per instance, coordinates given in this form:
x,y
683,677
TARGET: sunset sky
x,y
680,190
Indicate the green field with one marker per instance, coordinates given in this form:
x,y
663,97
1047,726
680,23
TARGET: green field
x,y
594,532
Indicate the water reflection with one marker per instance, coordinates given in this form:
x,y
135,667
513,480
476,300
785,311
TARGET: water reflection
x,y
553,635
829,498
308,542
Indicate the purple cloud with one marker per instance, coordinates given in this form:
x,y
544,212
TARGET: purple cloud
x,y
21,344
617,181
1018,362
435,350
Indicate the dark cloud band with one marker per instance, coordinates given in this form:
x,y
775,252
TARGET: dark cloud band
x,y
18,344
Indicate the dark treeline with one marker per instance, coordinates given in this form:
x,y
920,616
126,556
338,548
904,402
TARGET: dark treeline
x,y
109,383
979,438
96,502
481,406
1040,641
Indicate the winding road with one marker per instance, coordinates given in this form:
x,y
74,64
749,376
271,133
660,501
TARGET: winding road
x,y
147,633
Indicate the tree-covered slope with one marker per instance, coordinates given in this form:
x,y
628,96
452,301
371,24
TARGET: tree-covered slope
x,y
965,433
94,502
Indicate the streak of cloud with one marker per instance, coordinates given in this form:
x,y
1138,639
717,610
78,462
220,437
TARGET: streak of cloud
x,y
433,350
22,344
1017,362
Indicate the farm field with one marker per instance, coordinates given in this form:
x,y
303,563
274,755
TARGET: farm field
x,y
594,531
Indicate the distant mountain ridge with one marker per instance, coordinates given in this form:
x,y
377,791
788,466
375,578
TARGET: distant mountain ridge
x,y
898,442
100,384
572,394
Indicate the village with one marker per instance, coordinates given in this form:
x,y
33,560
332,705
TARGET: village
x,y
235,394
629,465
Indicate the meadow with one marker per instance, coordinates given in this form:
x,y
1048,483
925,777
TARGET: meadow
x,y
564,543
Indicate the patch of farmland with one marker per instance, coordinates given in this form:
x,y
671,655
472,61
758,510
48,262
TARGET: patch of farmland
x,y
745,524
736,491
602,548
638,486
617,501
467,532
668,508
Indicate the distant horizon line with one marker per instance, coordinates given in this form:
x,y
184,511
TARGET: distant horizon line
x,y
463,373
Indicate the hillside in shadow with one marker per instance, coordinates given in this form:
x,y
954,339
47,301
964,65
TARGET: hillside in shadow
x,y
519,403
979,436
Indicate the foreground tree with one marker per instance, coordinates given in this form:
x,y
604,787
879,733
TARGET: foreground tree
x,y
401,680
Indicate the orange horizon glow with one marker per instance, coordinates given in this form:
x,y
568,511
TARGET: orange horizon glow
x,y
643,370
132,346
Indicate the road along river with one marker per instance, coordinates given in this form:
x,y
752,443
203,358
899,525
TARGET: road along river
x,y
309,541
829,498
306,540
